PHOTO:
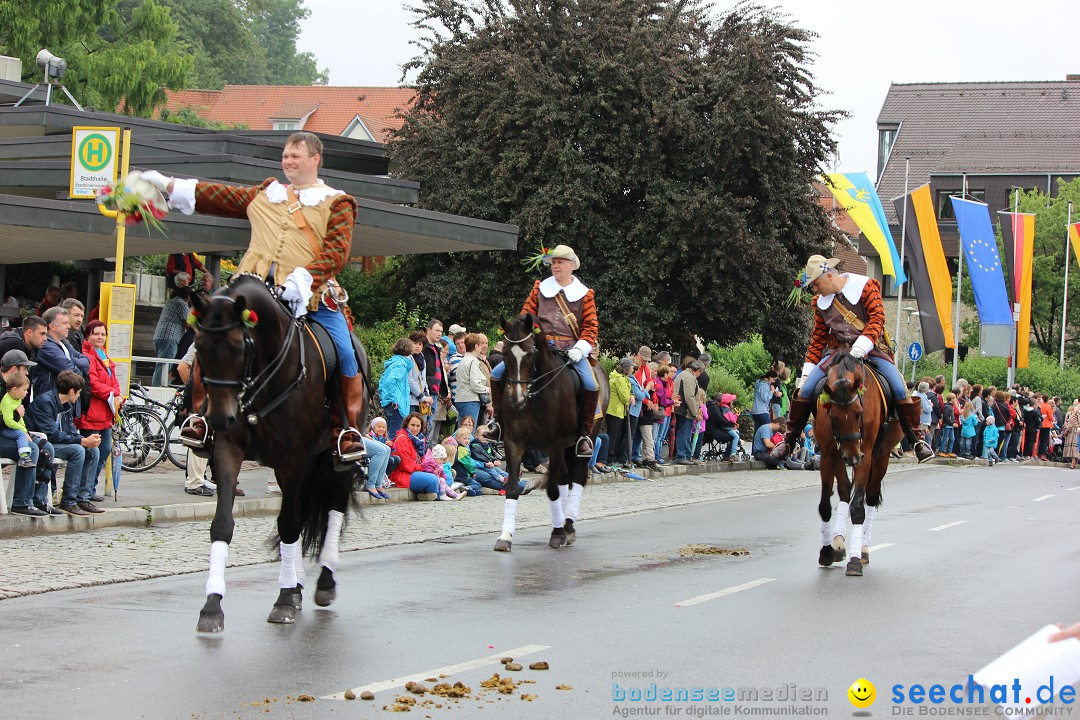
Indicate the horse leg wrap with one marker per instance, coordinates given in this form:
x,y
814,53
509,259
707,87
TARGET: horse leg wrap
x,y
564,497
855,551
328,558
219,555
573,505
868,524
301,574
558,519
509,518
287,571
843,510
826,532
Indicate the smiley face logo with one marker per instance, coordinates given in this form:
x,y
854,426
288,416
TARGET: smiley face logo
x,y
862,693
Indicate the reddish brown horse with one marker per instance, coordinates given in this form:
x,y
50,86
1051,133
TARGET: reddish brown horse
x,y
853,429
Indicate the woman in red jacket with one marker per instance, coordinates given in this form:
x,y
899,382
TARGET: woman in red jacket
x,y
105,397
410,445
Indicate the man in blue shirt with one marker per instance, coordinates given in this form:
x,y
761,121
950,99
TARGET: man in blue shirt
x,y
763,444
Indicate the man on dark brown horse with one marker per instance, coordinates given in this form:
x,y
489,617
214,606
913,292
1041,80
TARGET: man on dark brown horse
x,y
566,310
848,314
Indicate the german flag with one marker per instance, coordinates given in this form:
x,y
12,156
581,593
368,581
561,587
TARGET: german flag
x,y
929,271
1018,235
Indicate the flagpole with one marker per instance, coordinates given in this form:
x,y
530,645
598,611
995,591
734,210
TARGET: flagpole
x,y
1065,301
896,271
1010,372
959,283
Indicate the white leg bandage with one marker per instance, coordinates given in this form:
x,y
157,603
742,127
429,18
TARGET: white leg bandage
x,y
843,512
826,532
573,505
287,571
509,517
558,519
219,555
328,558
301,574
855,550
868,524
564,496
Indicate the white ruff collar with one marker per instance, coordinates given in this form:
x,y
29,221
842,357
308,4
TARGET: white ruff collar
x,y
310,196
576,290
852,290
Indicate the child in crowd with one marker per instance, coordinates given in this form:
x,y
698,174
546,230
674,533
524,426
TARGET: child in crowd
x,y
990,441
14,423
378,432
433,463
464,466
489,471
948,426
969,423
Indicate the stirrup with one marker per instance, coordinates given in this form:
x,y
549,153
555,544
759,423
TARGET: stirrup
x,y
357,456
925,444
189,423
588,442
494,430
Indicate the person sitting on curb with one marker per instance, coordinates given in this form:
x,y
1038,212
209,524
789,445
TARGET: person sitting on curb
x,y
764,444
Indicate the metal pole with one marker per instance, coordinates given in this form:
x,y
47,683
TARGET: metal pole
x,y
1065,301
959,283
1010,371
903,237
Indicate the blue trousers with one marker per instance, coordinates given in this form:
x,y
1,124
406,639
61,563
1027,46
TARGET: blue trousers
x,y
423,482
378,457
885,367
24,493
582,366
684,431
336,325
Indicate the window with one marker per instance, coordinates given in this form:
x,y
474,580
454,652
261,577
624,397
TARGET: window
x,y
944,205
886,137
286,125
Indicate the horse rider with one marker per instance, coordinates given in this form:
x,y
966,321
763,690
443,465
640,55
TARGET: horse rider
x,y
301,232
566,312
850,315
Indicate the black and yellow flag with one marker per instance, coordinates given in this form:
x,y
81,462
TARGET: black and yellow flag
x,y
929,271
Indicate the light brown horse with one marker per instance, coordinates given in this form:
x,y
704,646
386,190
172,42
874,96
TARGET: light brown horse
x,y
853,429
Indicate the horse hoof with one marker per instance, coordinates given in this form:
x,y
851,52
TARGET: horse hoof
x,y
825,557
282,615
210,622
298,597
571,534
558,538
502,545
324,598
865,555
854,567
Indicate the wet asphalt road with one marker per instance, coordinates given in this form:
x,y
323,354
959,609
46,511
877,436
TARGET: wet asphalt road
x,y
939,602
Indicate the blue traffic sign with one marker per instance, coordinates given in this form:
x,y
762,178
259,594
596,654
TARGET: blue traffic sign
x,y
914,351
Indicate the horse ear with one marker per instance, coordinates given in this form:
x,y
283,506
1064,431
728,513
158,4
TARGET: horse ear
x,y
239,305
527,320
502,323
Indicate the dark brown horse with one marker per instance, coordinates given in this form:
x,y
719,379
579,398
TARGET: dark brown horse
x,y
540,409
853,430
266,382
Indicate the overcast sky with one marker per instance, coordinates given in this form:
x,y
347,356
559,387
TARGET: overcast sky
x,y
365,42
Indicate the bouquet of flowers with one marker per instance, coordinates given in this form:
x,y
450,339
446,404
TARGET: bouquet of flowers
x,y
798,295
137,199
535,262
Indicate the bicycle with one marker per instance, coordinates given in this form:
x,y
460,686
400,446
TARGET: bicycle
x,y
146,432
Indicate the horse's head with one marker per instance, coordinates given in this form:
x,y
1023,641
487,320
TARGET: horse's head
x,y
226,324
844,387
521,339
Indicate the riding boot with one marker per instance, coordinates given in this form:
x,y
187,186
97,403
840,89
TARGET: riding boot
x,y
910,413
589,399
798,414
194,432
494,429
349,442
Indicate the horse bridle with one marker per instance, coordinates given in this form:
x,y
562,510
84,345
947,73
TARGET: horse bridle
x,y
554,373
250,386
850,436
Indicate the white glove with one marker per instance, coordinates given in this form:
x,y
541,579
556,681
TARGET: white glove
x,y
861,347
161,182
297,291
574,354
800,382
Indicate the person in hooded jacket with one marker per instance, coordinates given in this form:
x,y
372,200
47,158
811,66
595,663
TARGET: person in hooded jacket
x,y
394,385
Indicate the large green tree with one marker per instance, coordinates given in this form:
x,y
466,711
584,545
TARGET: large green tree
x,y
276,27
672,148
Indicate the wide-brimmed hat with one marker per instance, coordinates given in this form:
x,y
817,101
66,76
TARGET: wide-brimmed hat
x,y
564,252
818,265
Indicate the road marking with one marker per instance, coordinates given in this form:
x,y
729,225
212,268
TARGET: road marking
x,y
1075,487
448,670
947,525
882,546
723,593
1044,497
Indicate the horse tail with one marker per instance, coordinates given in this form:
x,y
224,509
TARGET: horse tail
x,y
323,489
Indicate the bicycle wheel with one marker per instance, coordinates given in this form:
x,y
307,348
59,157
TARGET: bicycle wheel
x,y
141,438
175,450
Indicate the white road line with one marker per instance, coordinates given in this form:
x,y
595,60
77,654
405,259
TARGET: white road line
x,y
947,525
448,670
882,546
1075,487
1044,497
723,593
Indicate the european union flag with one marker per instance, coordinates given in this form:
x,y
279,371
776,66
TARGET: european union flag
x,y
984,262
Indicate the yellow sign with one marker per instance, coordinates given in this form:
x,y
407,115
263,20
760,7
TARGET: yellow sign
x,y
118,314
94,152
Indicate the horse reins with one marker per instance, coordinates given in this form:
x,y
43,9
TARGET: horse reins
x,y
531,381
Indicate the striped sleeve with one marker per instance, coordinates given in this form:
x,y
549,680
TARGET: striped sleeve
x,y
875,310
532,303
590,324
226,200
337,243
818,337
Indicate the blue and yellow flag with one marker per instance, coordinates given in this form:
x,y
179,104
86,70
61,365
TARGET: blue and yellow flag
x,y
856,195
